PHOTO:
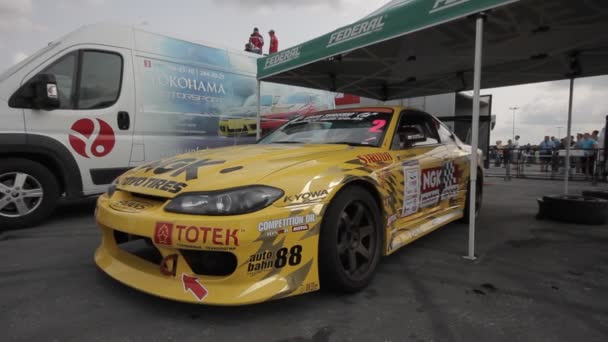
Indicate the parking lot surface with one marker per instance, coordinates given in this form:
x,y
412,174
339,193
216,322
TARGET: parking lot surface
x,y
533,281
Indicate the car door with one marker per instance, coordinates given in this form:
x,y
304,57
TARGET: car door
x,y
94,119
455,160
419,157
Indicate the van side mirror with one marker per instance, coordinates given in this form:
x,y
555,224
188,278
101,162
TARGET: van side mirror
x,y
40,92
46,96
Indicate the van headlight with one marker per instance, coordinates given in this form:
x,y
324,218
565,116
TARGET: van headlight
x,y
225,202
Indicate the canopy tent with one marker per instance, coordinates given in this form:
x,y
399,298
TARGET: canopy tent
x,y
424,47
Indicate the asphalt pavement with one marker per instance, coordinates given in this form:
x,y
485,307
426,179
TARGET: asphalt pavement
x,y
533,281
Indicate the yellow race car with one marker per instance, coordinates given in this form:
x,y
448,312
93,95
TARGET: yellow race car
x,y
313,205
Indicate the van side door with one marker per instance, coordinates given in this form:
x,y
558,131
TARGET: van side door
x,y
94,119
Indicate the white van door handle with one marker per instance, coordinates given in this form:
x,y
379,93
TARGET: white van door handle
x,y
123,120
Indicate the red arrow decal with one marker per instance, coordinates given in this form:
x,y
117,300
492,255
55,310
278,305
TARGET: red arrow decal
x,y
191,284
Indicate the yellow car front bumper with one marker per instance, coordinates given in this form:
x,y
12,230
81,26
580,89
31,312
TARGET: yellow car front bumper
x,y
237,127
217,260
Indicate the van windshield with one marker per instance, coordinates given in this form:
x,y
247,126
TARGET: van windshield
x,y
10,71
266,100
295,99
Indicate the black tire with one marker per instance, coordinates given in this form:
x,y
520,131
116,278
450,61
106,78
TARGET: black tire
x,y
596,193
575,209
478,200
339,240
39,207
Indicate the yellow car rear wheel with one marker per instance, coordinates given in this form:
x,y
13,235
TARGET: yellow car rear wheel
x,y
350,241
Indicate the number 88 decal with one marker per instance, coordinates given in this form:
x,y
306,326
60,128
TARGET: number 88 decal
x,y
293,256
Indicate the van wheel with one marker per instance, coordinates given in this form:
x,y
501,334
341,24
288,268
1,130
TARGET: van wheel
x,y
28,193
350,241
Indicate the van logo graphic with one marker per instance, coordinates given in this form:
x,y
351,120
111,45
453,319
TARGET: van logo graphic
x,y
90,137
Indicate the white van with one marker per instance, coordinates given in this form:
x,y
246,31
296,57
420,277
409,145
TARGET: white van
x,y
105,98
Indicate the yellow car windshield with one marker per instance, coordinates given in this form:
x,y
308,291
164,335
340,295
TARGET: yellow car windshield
x,y
351,128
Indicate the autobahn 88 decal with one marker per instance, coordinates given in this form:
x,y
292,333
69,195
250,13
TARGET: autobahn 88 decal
x,y
268,260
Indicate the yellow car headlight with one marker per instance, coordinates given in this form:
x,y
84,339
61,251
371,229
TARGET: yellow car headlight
x,y
234,201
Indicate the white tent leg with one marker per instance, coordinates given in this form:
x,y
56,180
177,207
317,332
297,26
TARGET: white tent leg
x,y
258,128
569,129
475,135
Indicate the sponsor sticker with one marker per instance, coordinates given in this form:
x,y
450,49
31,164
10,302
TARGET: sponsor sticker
x,y
176,167
194,286
431,184
203,237
286,222
374,158
300,228
450,180
168,266
441,5
357,30
163,233
267,260
92,138
411,192
130,206
306,197
155,183
282,57
310,287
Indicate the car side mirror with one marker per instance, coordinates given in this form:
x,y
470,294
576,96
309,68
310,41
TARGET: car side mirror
x,y
275,100
40,92
46,95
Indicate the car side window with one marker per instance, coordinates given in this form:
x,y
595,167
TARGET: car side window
x,y
316,100
415,129
64,70
100,80
445,135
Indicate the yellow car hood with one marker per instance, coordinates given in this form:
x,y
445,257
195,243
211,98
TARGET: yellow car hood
x,y
222,168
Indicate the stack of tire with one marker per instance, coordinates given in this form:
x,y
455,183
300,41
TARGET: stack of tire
x,y
590,208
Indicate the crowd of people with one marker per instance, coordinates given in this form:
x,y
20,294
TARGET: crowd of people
x,y
256,42
548,152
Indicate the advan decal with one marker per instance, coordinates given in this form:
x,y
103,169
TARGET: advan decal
x,y
92,138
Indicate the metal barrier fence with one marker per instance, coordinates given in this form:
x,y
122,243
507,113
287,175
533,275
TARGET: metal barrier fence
x,y
585,164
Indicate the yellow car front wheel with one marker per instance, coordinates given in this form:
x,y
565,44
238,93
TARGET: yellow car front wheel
x,y
350,242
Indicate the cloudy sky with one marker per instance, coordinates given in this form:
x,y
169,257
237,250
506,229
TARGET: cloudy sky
x,y
27,25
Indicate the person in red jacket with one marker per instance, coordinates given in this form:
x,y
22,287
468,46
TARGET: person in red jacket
x,y
257,41
274,42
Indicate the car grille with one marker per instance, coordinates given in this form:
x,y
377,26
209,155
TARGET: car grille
x,y
205,263
149,197
211,263
236,130
139,246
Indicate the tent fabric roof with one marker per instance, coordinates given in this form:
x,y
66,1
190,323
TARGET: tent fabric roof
x,y
426,47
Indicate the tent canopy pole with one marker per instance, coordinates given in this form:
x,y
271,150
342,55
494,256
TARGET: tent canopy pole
x,y
258,131
568,142
475,134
